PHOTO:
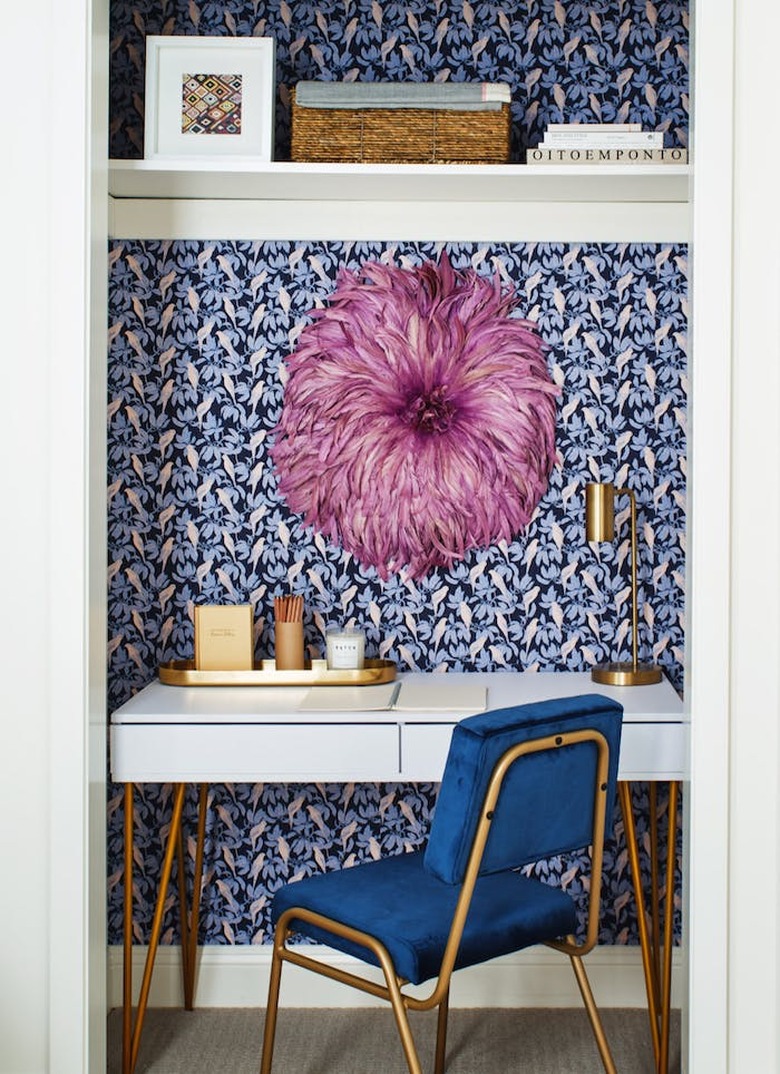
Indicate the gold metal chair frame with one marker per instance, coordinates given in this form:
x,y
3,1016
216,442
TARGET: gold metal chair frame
x,y
392,990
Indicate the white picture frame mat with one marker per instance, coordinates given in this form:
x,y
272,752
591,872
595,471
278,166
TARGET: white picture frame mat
x,y
168,59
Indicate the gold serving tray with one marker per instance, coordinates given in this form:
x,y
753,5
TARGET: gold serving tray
x,y
316,673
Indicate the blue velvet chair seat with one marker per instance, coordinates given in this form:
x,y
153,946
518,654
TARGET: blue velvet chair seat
x,y
409,910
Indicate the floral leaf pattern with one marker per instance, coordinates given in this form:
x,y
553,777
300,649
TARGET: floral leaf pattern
x,y
198,338
565,61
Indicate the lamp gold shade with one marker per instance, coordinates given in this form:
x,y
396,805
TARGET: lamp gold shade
x,y
600,526
600,512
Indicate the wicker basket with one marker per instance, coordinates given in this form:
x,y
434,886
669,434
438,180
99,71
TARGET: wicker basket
x,y
399,135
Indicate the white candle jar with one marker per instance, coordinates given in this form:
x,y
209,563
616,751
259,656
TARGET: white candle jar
x,y
345,649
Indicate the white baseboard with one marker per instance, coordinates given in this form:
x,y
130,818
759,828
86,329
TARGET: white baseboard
x,y
537,977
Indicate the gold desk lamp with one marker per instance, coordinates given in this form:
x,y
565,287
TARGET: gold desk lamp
x,y
600,526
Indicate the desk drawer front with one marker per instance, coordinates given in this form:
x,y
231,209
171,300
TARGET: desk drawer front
x,y
255,752
424,748
300,752
648,751
653,751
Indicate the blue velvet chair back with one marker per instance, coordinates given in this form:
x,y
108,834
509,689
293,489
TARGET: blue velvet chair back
x,y
546,803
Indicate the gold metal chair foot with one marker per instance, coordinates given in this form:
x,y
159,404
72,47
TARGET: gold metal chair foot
x,y
441,1034
405,1031
593,1014
272,1008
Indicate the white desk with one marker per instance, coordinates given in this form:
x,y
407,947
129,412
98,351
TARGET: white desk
x,y
217,734
220,734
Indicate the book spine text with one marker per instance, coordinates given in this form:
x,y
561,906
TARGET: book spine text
x,y
606,156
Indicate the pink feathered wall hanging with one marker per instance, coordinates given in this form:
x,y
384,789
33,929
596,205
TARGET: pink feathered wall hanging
x,y
419,417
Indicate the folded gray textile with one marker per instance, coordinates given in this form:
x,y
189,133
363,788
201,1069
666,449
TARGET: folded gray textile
x,y
453,96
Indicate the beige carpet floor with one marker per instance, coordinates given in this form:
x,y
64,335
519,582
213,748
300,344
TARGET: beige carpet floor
x,y
365,1041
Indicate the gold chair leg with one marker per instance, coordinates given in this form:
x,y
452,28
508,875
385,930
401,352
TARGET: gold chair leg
x,y
127,935
402,1021
154,939
272,1008
593,1014
624,793
441,1034
666,996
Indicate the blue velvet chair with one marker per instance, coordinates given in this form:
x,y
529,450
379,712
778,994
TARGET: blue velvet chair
x,y
520,784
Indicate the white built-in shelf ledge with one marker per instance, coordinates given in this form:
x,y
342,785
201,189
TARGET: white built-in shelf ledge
x,y
247,200
284,181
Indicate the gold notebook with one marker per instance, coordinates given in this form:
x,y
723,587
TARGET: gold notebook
x,y
223,637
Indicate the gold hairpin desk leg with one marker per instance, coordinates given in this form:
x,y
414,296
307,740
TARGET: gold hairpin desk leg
x,y
671,855
655,921
131,1034
658,975
127,934
190,918
624,793
183,915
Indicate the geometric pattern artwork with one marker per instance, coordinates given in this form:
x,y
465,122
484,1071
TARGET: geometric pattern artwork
x,y
200,335
211,104
564,61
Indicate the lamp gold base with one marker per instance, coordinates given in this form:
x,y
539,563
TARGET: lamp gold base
x,y
626,674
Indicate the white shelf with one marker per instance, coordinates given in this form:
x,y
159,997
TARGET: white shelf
x,y
284,181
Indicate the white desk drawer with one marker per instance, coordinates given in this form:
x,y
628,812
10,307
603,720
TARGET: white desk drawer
x,y
289,752
424,749
648,751
309,752
653,751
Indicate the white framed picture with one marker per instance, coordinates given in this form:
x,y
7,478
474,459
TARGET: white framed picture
x,y
209,97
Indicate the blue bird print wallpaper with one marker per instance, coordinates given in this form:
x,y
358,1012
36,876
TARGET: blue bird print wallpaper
x,y
200,334
605,61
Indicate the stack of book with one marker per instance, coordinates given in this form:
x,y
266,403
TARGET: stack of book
x,y
603,143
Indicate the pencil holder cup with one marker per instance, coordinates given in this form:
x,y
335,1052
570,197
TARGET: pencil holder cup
x,y
288,639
